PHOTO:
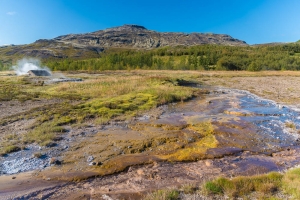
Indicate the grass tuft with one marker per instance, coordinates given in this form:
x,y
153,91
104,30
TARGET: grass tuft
x,y
290,125
166,194
44,134
291,182
241,186
10,149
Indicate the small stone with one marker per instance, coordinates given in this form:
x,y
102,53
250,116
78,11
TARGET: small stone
x,y
92,163
51,144
86,185
13,177
90,159
208,163
280,106
140,172
54,161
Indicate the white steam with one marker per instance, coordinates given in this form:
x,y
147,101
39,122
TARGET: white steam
x,y
27,64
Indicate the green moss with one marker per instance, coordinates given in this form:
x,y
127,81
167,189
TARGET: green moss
x,y
204,128
44,133
193,152
63,121
122,105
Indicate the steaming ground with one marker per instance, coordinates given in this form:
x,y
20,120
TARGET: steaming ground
x,y
27,64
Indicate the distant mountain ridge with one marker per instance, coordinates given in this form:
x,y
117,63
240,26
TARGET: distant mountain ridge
x,y
127,36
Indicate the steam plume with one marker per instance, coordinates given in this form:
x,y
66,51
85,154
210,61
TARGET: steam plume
x,y
27,64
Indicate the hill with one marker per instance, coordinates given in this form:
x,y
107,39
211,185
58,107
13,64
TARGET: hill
x,y
90,45
135,36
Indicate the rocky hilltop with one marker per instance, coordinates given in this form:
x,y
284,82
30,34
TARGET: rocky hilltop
x,y
126,36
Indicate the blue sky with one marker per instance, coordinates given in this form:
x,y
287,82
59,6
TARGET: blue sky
x,y
254,21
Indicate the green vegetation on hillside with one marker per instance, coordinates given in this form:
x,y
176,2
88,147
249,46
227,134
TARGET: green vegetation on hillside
x,y
201,57
204,57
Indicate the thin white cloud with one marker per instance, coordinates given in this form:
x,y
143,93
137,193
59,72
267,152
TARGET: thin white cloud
x,y
11,13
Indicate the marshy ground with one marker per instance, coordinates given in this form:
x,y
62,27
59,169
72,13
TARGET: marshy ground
x,y
123,134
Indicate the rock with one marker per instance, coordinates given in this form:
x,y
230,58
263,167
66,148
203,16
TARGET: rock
x,y
86,186
90,159
140,172
92,163
51,144
280,106
13,177
208,163
54,161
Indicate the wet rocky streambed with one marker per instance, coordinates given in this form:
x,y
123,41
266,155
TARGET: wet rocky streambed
x,y
224,132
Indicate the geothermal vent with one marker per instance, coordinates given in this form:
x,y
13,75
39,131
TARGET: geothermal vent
x,y
39,72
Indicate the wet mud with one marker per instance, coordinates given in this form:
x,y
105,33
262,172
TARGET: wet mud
x,y
225,132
